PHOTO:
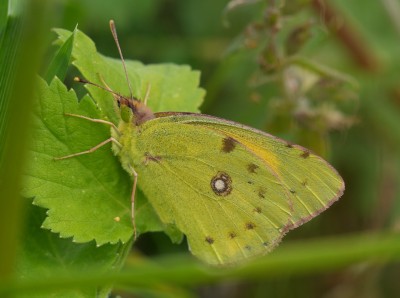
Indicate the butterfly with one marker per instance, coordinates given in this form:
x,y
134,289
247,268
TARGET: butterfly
x,y
233,190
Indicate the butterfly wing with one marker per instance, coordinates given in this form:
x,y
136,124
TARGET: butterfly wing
x,y
232,190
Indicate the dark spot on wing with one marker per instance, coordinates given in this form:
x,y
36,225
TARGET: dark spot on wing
x,y
252,168
228,144
221,184
232,235
250,225
305,154
149,157
209,240
257,209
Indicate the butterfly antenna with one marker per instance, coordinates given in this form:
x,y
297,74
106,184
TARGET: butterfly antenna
x,y
104,83
80,80
114,33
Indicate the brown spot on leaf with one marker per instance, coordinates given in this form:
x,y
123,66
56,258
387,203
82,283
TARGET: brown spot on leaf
x,y
304,183
250,225
252,168
232,235
248,247
289,145
261,193
228,144
292,191
257,209
209,240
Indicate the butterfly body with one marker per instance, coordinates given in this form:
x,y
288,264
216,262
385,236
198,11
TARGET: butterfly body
x,y
232,190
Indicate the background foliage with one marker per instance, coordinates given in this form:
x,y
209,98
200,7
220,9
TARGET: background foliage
x,y
323,74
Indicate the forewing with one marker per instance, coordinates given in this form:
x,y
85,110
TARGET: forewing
x,y
313,183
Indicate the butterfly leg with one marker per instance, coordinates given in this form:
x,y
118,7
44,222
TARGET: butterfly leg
x,y
94,120
135,176
90,150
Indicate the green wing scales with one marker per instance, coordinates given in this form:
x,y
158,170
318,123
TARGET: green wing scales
x,y
232,190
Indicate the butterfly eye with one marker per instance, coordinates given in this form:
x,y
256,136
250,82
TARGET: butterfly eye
x,y
221,184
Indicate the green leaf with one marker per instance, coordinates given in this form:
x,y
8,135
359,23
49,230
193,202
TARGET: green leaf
x,y
44,254
84,194
10,42
3,16
173,87
88,196
61,60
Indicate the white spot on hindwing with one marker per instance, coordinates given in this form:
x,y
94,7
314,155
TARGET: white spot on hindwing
x,y
221,184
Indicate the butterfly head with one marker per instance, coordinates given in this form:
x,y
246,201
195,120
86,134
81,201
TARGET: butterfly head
x,y
133,110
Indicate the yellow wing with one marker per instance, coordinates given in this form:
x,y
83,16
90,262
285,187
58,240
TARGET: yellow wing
x,y
232,190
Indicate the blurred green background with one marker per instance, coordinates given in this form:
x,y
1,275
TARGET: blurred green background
x,y
323,74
